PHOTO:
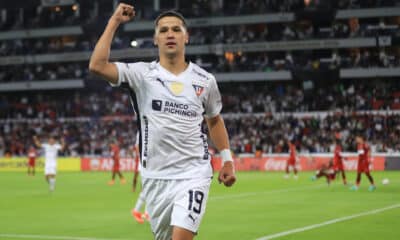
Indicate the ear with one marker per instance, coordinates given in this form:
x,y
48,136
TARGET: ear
x,y
155,40
187,38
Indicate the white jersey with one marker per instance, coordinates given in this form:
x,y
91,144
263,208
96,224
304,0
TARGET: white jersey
x,y
50,153
170,111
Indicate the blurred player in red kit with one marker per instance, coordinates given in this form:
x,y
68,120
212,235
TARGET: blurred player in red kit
x,y
338,161
364,153
32,154
327,171
114,148
291,161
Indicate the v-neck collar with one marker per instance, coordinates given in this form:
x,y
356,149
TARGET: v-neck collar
x,y
188,69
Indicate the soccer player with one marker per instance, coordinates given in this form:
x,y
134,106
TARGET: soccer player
x,y
364,152
327,171
291,161
51,149
338,161
172,97
114,149
32,154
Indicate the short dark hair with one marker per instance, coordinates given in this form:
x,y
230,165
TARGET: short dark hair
x,y
170,13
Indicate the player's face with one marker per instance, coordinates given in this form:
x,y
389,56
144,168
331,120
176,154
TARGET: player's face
x,y
52,141
359,140
170,36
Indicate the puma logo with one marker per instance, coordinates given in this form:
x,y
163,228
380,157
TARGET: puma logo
x,y
191,217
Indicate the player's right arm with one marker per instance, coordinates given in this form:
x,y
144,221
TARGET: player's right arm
x,y
37,142
99,61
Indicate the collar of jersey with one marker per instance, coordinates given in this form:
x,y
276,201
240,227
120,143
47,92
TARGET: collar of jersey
x,y
188,69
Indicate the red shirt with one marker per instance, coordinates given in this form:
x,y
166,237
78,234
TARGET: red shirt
x,y
337,157
292,150
115,152
363,152
32,154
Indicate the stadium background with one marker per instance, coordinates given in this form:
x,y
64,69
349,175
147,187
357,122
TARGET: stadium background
x,y
310,70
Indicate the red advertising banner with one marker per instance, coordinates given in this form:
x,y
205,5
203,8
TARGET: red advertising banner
x,y
304,163
106,164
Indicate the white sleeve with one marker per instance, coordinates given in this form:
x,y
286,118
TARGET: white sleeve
x,y
213,102
58,146
131,73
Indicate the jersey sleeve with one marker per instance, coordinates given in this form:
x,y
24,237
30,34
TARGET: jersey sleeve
x,y
131,73
213,102
58,146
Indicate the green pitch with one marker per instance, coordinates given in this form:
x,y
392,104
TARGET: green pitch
x,y
84,207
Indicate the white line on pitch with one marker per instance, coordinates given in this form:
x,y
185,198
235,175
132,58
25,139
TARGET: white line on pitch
x,y
51,237
333,221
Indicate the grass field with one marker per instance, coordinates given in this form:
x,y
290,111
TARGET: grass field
x,y
257,207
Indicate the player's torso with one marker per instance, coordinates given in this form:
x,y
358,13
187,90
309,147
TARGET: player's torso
x,y
171,112
337,158
292,150
31,155
115,153
50,153
173,99
364,156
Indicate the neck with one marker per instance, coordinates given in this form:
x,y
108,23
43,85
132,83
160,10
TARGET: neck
x,y
175,65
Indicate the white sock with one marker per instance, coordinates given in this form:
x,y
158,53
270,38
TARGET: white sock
x,y
139,202
52,184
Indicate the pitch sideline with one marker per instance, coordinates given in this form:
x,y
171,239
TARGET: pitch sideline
x,y
333,221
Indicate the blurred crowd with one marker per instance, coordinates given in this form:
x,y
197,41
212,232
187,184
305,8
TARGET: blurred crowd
x,y
308,60
248,134
88,12
255,97
83,137
65,104
313,134
299,30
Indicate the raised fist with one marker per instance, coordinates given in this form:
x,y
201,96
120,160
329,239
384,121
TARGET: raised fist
x,y
123,13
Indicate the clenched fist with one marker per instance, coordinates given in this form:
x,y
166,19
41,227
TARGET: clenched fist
x,y
123,13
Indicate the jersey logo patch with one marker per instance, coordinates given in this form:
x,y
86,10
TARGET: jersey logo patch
x,y
198,89
176,88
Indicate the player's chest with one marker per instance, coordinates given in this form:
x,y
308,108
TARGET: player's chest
x,y
185,88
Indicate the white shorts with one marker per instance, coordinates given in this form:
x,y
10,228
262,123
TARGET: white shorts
x,y
50,169
180,203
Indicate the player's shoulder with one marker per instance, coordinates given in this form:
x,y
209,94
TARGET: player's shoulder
x,y
202,73
139,65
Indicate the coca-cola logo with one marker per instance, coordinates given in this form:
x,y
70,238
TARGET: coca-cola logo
x,y
274,165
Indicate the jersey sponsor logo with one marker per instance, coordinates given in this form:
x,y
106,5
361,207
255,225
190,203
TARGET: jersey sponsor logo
x,y
156,105
198,89
176,88
173,108
178,109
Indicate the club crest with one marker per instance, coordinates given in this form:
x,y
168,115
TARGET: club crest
x,y
198,89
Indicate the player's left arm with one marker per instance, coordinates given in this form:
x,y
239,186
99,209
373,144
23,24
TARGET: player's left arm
x,y
219,137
